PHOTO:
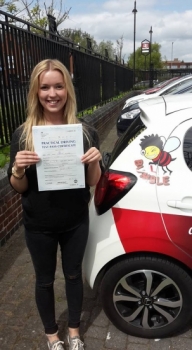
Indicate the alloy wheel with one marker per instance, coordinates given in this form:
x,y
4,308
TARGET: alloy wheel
x,y
147,299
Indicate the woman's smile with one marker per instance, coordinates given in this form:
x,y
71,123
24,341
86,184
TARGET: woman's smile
x,y
53,102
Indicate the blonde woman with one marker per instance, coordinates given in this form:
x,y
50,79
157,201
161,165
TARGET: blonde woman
x,y
53,218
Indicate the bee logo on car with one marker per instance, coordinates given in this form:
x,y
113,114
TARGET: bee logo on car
x,y
157,149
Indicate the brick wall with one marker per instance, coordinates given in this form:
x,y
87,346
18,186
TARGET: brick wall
x,y
104,115
10,209
10,201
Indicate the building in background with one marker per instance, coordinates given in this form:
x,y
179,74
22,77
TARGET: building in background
x,y
177,64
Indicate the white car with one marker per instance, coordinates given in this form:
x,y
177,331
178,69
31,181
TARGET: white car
x,y
168,89
140,242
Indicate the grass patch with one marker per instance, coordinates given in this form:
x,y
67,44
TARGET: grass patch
x,y
92,109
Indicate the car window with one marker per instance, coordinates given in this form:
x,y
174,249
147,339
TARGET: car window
x,y
184,90
134,106
128,136
177,87
184,85
187,148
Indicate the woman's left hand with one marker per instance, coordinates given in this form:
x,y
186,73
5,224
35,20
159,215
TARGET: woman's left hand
x,y
91,156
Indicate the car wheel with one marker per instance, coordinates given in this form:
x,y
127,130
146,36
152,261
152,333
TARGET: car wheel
x,y
147,297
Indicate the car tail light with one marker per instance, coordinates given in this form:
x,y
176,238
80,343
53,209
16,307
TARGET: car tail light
x,y
112,186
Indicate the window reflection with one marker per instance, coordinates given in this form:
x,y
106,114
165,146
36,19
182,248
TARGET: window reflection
x,y
187,148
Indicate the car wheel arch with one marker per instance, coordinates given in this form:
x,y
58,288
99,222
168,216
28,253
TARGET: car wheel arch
x,y
149,254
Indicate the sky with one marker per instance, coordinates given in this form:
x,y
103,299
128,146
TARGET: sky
x,y
171,22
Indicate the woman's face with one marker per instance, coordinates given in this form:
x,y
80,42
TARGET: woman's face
x,y
52,92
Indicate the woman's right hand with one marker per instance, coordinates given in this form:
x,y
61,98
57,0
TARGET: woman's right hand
x,y
24,159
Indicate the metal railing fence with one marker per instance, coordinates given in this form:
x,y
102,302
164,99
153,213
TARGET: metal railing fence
x,y
22,45
158,75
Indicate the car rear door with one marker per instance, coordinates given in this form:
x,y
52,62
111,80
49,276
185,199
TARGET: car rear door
x,y
175,199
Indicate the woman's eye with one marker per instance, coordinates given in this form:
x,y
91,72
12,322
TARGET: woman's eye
x,y
57,87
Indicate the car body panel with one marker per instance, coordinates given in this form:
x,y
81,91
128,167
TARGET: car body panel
x,y
165,106
103,247
140,235
143,220
177,199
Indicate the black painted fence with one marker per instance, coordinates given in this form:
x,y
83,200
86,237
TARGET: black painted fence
x,y
23,45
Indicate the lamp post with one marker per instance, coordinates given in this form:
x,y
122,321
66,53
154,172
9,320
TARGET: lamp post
x,y
134,12
150,63
172,53
150,32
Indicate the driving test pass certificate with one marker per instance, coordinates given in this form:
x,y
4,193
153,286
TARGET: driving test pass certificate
x,y
60,148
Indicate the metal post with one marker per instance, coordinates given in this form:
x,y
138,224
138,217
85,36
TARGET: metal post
x,y
150,32
89,45
150,64
134,12
52,26
172,54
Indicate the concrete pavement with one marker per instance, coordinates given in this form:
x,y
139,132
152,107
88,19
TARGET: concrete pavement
x,y
20,325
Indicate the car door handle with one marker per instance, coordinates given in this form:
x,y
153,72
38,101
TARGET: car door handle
x,y
179,204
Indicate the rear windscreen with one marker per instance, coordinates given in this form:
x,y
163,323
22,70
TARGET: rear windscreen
x,y
129,135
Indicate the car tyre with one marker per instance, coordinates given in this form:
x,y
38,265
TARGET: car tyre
x,y
148,297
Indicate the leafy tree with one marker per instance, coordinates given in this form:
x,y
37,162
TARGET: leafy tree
x,y
112,51
106,45
33,12
9,6
143,62
38,15
78,37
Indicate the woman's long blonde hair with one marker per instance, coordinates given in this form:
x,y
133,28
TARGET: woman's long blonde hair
x,y
35,109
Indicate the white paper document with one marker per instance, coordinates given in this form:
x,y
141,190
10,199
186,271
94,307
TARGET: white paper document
x,y
60,148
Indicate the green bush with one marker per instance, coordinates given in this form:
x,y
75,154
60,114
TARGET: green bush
x,y
4,156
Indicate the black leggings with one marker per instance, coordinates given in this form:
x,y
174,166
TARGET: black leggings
x,y
43,250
